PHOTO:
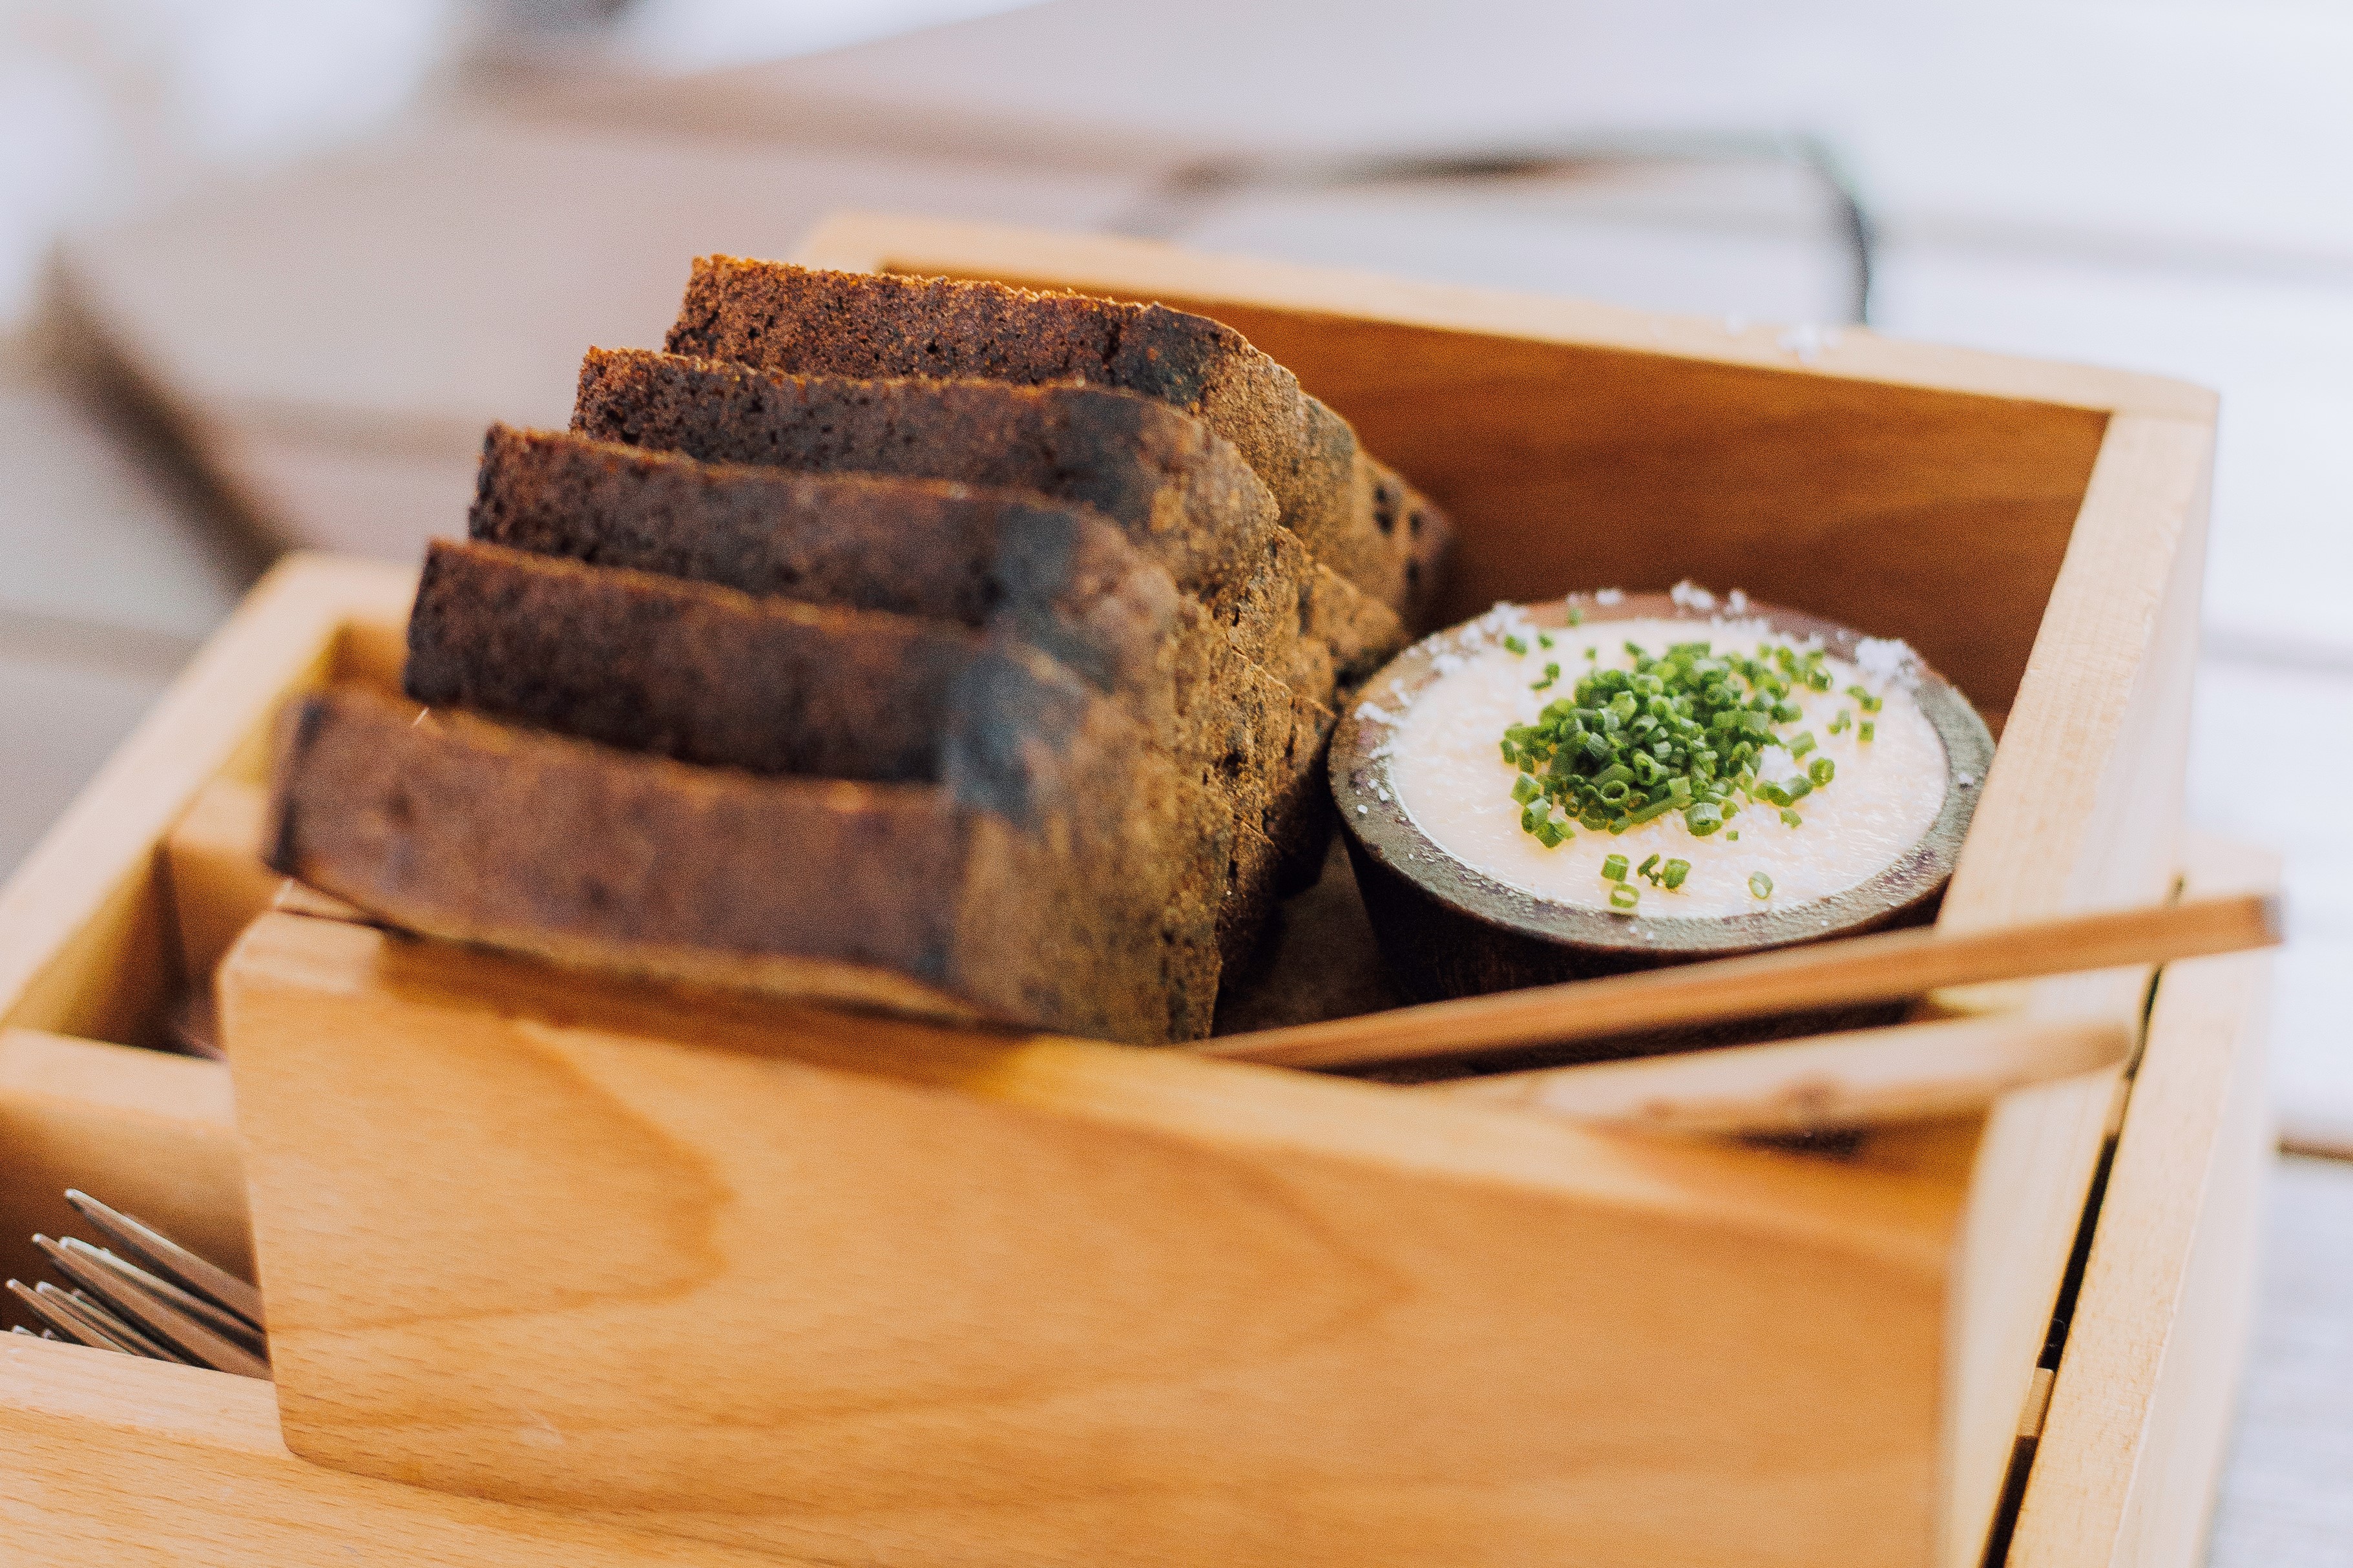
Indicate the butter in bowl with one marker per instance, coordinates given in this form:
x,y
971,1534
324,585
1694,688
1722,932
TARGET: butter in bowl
x,y
1617,781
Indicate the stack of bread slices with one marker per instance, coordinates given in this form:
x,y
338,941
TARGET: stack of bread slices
x,y
923,644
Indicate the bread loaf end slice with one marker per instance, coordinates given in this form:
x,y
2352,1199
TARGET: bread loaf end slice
x,y
1001,894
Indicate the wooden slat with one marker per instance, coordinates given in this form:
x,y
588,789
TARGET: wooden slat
x,y
1908,1073
1887,966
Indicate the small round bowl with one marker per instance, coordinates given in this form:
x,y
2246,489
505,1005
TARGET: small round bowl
x,y
1448,930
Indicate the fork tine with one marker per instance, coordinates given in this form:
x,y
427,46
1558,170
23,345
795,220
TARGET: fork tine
x,y
174,1262
49,1310
152,1314
114,1326
225,1323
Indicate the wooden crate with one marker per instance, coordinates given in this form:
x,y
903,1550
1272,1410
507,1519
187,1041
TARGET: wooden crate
x,y
1062,1302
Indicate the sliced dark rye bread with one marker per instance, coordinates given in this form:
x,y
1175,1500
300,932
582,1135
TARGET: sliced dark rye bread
x,y
709,674
700,673
1358,518
1180,494
1030,888
1051,573
1063,577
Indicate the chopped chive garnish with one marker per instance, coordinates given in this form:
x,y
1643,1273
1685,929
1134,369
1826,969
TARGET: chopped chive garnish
x,y
1792,818
1733,837
1577,619
1623,897
1685,731
1647,867
1676,870
1760,885
1865,730
1614,868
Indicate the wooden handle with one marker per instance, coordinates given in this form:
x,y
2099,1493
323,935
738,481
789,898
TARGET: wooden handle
x,y
1852,1079
1885,967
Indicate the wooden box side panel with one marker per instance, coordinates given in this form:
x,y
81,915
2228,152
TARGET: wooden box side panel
x,y
1054,1301
87,940
2083,810
2125,1472
1912,491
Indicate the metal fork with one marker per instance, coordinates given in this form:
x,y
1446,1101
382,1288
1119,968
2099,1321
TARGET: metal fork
x,y
169,1305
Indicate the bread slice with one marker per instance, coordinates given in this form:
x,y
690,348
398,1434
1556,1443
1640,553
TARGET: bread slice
x,y
686,670
1030,888
1054,572
1180,495
1357,517
708,674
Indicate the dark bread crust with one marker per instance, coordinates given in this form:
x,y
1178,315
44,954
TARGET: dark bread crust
x,y
915,547
460,827
683,670
1181,496
798,321
1000,894
708,674
1054,571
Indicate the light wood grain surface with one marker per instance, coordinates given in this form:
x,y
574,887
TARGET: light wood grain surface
x,y
2107,1478
117,1460
1905,1073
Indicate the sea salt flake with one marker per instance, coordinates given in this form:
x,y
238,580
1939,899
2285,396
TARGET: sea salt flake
x,y
1736,602
1377,714
1887,658
1610,596
1691,596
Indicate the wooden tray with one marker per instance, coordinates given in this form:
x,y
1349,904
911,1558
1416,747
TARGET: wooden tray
x,y
1064,1302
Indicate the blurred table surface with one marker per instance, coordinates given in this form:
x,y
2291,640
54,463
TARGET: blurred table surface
x,y
328,342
